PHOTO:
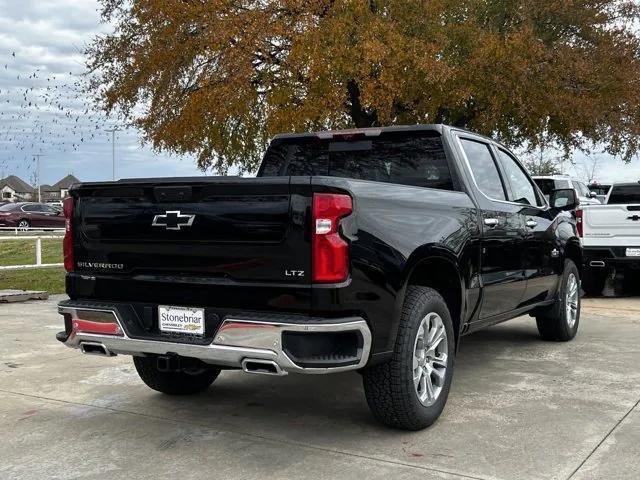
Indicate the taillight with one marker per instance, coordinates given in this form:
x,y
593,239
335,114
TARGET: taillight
x,y
67,242
579,218
330,251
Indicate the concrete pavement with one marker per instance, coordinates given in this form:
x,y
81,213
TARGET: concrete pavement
x,y
519,408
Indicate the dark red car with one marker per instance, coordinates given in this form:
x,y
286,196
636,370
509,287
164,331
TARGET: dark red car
x,y
29,214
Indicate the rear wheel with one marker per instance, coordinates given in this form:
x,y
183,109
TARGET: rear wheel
x,y
186,381
593,281
410,391
560,321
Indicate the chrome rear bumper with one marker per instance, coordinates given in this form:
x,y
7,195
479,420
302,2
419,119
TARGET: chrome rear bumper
x,y
235,342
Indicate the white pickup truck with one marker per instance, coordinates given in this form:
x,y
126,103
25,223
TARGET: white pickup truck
x,y
610,235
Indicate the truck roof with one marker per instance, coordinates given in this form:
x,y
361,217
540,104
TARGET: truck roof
x,y
559,176
625,184
373,131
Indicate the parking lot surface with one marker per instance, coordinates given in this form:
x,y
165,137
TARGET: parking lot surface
x,y
519,408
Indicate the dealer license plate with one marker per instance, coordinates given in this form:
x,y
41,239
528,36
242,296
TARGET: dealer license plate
x,y
633,252
181,319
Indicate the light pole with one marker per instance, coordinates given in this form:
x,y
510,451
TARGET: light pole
x,y
113,131
37,156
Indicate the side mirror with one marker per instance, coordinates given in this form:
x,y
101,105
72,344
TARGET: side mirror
x,y
592,195
564,199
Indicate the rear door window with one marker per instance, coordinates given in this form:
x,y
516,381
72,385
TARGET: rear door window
x,y
48,209
483,168
624,194
404,159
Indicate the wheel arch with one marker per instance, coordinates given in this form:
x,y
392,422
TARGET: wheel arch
x,y
573,252
437,269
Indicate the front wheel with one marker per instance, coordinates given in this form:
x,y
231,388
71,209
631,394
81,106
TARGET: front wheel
x,y
24,224
187,381
409,392
559,322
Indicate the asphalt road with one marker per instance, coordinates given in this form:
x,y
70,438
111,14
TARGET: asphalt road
x,y
519,408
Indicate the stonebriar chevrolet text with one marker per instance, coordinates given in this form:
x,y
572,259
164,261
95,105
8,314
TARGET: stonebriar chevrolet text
x,y
373,250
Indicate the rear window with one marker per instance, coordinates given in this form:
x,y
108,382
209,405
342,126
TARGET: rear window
x,y
404,159
621,194
600,189
548,185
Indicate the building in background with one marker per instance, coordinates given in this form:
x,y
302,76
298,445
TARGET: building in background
x,y
14,189
57,191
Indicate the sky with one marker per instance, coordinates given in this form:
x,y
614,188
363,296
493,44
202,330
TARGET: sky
x,y
42,112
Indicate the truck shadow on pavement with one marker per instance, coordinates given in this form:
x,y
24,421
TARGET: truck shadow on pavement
x,y
337,400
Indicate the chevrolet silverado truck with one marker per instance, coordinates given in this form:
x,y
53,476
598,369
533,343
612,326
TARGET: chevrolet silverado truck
x,y
610,236
372,250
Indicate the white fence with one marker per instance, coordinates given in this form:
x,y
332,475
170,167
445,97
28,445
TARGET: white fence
x,y
12,234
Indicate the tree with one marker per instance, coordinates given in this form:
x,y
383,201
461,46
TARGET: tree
x,y
590,165
540,163
217,78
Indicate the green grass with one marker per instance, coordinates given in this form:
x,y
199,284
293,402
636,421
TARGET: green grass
x,y
23,252
49,279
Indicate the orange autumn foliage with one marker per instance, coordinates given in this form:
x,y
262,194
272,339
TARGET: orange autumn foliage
x,y
217,78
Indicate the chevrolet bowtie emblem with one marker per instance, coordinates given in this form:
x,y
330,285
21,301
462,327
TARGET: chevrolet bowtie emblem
x,y
173,220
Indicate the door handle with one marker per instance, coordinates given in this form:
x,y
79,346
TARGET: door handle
x,y
531,223
491,222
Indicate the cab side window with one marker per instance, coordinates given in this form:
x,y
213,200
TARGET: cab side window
x,y
522,189
484,169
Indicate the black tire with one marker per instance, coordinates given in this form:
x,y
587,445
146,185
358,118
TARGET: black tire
x,y
24,223
186,382
553,322
389,387
593,281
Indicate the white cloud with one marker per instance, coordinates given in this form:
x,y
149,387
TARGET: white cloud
x,y
42,111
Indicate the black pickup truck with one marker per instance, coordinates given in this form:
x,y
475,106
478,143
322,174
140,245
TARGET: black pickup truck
x,y
372,250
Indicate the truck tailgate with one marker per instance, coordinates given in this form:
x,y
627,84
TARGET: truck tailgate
x,y
238,229
611,225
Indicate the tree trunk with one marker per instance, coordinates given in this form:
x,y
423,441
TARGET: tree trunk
x,y
361,118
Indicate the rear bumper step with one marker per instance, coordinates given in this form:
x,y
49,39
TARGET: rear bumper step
x,y
257,346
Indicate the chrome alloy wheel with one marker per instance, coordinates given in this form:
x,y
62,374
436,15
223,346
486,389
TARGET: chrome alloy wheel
x,y
571,300
430,352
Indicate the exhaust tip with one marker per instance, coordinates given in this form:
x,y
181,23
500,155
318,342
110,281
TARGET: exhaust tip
x,y
596,263
262,367
90,348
